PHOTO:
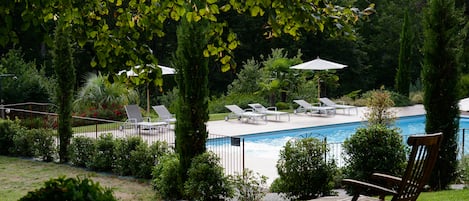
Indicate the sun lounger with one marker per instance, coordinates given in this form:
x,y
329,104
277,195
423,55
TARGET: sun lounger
x,y
307,107
247,115
342,106
137,121
164,114
269,111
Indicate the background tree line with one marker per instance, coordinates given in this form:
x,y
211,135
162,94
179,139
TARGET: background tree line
x,y
373,56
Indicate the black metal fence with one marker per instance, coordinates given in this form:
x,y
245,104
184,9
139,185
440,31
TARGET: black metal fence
x,y
39,115
231,150
336,153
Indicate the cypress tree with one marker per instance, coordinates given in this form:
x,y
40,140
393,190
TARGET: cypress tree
x,y
65,71
441,49
192,81
403,70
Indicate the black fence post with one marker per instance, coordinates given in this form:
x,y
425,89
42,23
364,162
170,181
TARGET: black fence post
x,y
463,140
243,156
325,149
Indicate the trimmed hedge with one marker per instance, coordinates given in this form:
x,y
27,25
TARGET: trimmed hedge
x,y
18,141
81,151
123,156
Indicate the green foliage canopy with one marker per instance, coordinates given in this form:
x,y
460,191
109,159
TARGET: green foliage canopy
x,y
119,30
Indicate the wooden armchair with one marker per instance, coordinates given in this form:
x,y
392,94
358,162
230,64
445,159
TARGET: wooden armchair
x,y
419,167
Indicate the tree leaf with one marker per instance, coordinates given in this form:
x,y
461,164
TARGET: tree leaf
x,y
105,28
256,10
174,15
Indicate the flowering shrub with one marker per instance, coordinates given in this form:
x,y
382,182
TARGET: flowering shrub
x,y
110,112
100,99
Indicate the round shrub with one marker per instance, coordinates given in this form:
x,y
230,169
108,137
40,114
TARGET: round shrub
x,y
249,186
70,189
166,181
144,158
23,144
103,159
122,152
81,151
206,179
376,148
303,170
44,144
8,129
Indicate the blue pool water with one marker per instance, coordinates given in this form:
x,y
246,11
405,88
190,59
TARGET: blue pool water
x,y
268,144
339,132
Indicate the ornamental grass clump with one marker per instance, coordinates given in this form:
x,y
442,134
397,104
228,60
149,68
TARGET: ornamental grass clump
x,y
379,146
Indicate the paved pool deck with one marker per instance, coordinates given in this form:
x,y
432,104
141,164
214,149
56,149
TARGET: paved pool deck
x,y
234,127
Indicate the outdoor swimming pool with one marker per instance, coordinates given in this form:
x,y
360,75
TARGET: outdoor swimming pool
x,y
268,144
260,152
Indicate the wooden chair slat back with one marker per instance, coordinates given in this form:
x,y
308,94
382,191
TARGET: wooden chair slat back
x,y
421,161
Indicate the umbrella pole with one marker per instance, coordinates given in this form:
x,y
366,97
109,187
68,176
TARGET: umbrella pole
x,y
148,100
319,88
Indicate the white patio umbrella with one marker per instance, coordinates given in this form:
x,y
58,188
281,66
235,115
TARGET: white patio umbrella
x,y
464,104
164,70
318,64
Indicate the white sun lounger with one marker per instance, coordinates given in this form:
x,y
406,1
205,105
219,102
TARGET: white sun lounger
x,y
307,107
247,115
164,114
330,103
136,120
269,111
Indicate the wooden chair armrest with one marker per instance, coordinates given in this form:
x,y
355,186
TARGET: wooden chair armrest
x,y
360,186
392,180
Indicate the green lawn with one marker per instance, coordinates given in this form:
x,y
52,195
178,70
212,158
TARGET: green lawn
x,y
450,195
19,176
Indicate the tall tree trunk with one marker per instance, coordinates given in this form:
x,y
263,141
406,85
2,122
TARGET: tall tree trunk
x,y
403,70
441,49
65,71
192,80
